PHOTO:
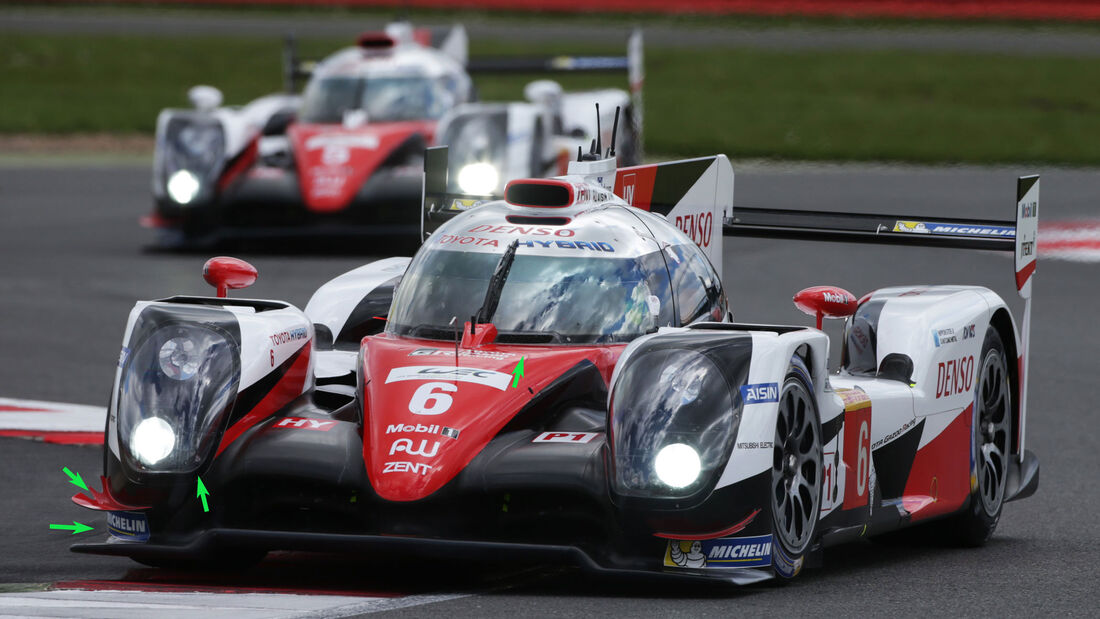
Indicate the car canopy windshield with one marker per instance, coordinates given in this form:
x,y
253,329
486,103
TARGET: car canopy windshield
x,y
385,99
545,299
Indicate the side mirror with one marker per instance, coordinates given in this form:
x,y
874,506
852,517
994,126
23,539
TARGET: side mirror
x,y
224,273
826,301
205,98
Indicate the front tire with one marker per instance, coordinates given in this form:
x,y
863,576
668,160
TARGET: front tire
x,y
796,472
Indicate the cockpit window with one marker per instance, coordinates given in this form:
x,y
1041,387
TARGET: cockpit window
x,y
545,299
384,99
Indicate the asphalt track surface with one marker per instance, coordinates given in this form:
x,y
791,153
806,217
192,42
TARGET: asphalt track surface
x,y
73,264
981,39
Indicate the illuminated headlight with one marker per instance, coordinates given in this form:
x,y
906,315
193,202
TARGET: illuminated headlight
x,y
152,440
677,465
479,179
183,186
673,420
176,390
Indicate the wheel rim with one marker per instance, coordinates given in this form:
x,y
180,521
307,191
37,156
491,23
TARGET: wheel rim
x,y
994,406
796,468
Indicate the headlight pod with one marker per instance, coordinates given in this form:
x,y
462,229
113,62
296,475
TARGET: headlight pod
x,y
192,152
477,149
673,422
177,388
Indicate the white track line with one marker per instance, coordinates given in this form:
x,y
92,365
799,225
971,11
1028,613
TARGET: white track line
x,y
51,416
78,604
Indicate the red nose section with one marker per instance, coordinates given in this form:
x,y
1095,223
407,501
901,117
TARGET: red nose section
x,y
427,416
333,161
824,301
224,273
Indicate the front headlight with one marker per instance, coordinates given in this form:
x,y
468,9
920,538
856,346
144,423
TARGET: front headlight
x,y
677,465
183,186
191,152
479,179
152,440
176,390
673,422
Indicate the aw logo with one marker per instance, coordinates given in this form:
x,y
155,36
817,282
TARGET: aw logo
x,y
406,445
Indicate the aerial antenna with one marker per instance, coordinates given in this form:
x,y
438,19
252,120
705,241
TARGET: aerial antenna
x,y
580,155
599,144
614,130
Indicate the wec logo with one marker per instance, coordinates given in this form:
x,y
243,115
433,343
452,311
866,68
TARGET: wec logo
x,y
760,393
489,378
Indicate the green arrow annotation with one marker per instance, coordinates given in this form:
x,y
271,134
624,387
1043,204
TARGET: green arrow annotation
x,y
518,372
201,492
75,527
74,479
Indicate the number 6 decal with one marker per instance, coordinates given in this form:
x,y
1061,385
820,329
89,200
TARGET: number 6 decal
x,y
426,401
862,468
857,454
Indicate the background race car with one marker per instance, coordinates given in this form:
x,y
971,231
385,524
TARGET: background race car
x,y
557,375
344,158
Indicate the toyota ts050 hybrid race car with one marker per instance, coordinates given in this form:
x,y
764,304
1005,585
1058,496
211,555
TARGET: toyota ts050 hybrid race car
x,y
345,158
555,375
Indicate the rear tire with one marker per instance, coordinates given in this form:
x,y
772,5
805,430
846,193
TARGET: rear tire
x,y
796,472
991,433
990,447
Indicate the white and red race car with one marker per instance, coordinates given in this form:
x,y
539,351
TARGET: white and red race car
x,y
344,159
556,374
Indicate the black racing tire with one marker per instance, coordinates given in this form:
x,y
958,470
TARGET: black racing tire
x,y
797,478
235,560
991,441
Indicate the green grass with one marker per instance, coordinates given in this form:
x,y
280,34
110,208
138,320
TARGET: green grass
x,y
905,106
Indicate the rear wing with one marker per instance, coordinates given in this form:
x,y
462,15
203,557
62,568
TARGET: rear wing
x,y
450,40
1018,235
633,63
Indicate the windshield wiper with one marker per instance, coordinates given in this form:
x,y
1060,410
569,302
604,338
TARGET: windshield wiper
x,y
496,285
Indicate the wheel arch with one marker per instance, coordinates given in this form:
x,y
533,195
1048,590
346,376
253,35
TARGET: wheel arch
x,y
1001,321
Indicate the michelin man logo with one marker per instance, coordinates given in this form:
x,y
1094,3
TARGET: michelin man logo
x,y
917,227
694,556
